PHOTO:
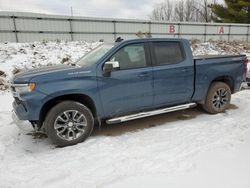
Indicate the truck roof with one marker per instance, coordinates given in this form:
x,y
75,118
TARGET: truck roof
x,y
153,39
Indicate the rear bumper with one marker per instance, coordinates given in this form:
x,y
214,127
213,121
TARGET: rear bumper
x,y
248,80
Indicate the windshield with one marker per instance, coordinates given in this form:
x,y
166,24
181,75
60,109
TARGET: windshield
x,y
94,55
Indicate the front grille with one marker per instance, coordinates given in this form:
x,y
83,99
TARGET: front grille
x,y
18,101
12,89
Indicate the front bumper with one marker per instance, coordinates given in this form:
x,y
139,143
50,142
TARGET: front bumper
x,y
23,125
20,110
27,106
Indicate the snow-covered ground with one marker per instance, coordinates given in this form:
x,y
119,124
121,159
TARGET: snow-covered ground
x,y
17,56
181,149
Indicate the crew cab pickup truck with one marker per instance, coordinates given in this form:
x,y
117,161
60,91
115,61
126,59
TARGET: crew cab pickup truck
x,y
124,81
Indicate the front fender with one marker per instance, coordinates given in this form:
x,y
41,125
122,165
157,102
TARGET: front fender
x,y
86,86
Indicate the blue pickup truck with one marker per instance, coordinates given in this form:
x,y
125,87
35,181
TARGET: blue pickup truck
x,y
124,81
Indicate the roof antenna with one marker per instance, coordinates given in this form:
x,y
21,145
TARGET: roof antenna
x,y
119,39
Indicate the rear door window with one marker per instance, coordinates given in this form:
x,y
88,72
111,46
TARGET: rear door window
x,y
167,52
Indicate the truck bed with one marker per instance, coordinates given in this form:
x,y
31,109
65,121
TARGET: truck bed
x,y
211,67
204,57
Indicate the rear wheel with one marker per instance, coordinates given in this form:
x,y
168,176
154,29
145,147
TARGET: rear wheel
x,y
218,98
69,123
248,84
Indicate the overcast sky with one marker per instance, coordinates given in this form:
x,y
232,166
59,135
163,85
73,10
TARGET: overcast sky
x,y
99,8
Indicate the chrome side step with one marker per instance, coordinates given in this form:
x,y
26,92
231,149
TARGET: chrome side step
x,y
150,113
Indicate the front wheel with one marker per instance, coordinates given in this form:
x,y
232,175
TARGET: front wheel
x,y
218,98
69,123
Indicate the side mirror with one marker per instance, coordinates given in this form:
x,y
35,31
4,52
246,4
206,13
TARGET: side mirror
x,y
109,66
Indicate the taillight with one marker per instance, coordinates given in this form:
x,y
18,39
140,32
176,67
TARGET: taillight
x,y
245,63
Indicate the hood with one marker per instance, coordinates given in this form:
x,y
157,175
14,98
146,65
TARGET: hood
x,y
26,76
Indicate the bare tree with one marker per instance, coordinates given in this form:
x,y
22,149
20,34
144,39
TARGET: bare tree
x,y
188,10
185,11
179,11
204,11
163,11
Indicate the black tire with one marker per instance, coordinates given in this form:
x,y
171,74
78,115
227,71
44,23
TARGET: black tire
x,y
248,84
216,103
56,114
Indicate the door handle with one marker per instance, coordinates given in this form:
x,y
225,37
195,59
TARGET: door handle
x,y
184,70
143,75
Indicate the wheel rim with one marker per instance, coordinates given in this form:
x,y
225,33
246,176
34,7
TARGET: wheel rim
x,y
220,98
70,125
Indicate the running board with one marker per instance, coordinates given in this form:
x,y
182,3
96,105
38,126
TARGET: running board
x,y
150,113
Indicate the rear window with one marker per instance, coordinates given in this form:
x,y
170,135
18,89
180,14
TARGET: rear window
x,y
168,52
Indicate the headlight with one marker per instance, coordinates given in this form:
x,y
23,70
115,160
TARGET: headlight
x,y
24,88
